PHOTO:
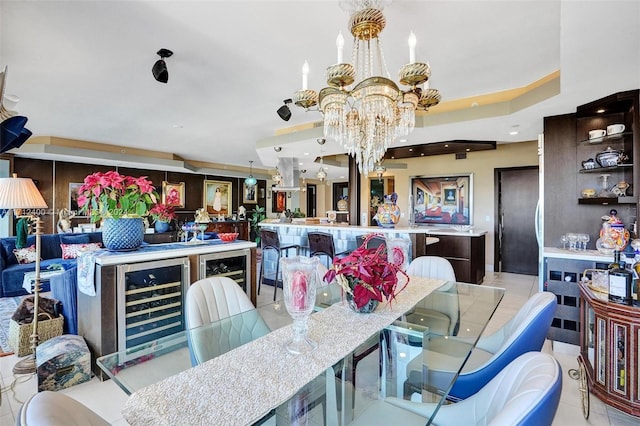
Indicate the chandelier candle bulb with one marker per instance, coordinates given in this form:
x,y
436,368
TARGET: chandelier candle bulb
x,y
305,75
412,48
340,46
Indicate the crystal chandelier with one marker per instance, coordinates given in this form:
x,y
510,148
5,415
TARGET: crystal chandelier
x,y
368,118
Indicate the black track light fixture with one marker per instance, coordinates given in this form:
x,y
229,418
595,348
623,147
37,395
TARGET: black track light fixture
x,y
284,112
160,72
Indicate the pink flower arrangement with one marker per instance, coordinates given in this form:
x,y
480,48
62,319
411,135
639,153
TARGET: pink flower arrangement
x,y
163,213
112,195
366,274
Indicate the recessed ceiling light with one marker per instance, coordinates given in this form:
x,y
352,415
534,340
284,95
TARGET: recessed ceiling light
x,y
513,132
300,164
600,111
393,157
468,149
403,140
446,145
422,154
410,149
306,153
341,177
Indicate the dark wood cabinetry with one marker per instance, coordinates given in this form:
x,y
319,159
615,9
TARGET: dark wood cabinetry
x,y
466,254
160,237
609,350
567,145
240,226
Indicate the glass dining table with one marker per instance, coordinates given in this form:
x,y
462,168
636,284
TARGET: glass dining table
x,y
250,378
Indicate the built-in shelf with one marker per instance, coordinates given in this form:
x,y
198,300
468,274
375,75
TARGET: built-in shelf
x,y
609,139
607,169
608,200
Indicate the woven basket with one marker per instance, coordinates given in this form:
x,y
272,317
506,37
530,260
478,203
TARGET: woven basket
x,y
19,333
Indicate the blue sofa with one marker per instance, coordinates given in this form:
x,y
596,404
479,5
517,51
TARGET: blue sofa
x,y
12,272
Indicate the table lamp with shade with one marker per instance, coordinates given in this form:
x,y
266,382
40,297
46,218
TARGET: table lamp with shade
x,y
18,194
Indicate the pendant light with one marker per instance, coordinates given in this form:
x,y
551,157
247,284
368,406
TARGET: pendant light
x,y
250,182
322,174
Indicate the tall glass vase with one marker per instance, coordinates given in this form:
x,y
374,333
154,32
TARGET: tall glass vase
x,y
299,275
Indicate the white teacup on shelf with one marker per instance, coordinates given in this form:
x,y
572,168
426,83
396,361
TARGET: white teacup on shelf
x,y
598,133
614,129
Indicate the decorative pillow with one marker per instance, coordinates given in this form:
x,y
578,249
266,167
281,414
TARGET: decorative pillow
x,y
25,255
9,245
70,251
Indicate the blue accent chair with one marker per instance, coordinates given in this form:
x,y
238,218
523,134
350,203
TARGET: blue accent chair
x,y
525,332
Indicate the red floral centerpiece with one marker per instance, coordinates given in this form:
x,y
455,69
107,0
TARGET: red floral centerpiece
x,y
120,202
367,276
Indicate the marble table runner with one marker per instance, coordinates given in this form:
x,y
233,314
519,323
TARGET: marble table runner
x,y
243,385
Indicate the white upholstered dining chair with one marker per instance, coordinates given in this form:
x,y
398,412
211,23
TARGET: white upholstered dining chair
x,y
441,310
49,408
214,299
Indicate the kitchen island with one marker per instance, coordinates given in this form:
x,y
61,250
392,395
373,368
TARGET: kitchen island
x,y
464,249
139,295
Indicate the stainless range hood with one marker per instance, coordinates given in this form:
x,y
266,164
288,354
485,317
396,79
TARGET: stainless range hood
x,y
290,177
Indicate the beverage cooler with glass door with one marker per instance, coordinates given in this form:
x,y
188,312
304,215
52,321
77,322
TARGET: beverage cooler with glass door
x,y
150,300
235,264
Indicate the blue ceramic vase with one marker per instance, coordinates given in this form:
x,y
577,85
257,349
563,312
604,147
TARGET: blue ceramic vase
x,y
161,226
122,234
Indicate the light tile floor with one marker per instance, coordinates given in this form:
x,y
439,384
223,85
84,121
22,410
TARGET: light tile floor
x,y
106,399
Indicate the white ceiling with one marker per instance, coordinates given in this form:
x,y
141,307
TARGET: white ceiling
x,y
82,69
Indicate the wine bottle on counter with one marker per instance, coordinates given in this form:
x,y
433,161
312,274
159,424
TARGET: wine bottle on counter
x,y
616,261
620,281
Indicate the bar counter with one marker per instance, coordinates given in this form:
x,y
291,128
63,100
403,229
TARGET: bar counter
x,y
465,250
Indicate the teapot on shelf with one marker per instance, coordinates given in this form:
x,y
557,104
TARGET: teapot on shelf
x,y
589,164
611,157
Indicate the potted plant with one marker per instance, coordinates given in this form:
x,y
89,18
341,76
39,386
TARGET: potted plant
x,y
162,214
367,276
119,202
257,216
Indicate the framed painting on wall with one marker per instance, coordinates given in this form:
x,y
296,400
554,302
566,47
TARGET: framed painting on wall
x,y
73,198
217,197
279,202
444,199
173,194
249,195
